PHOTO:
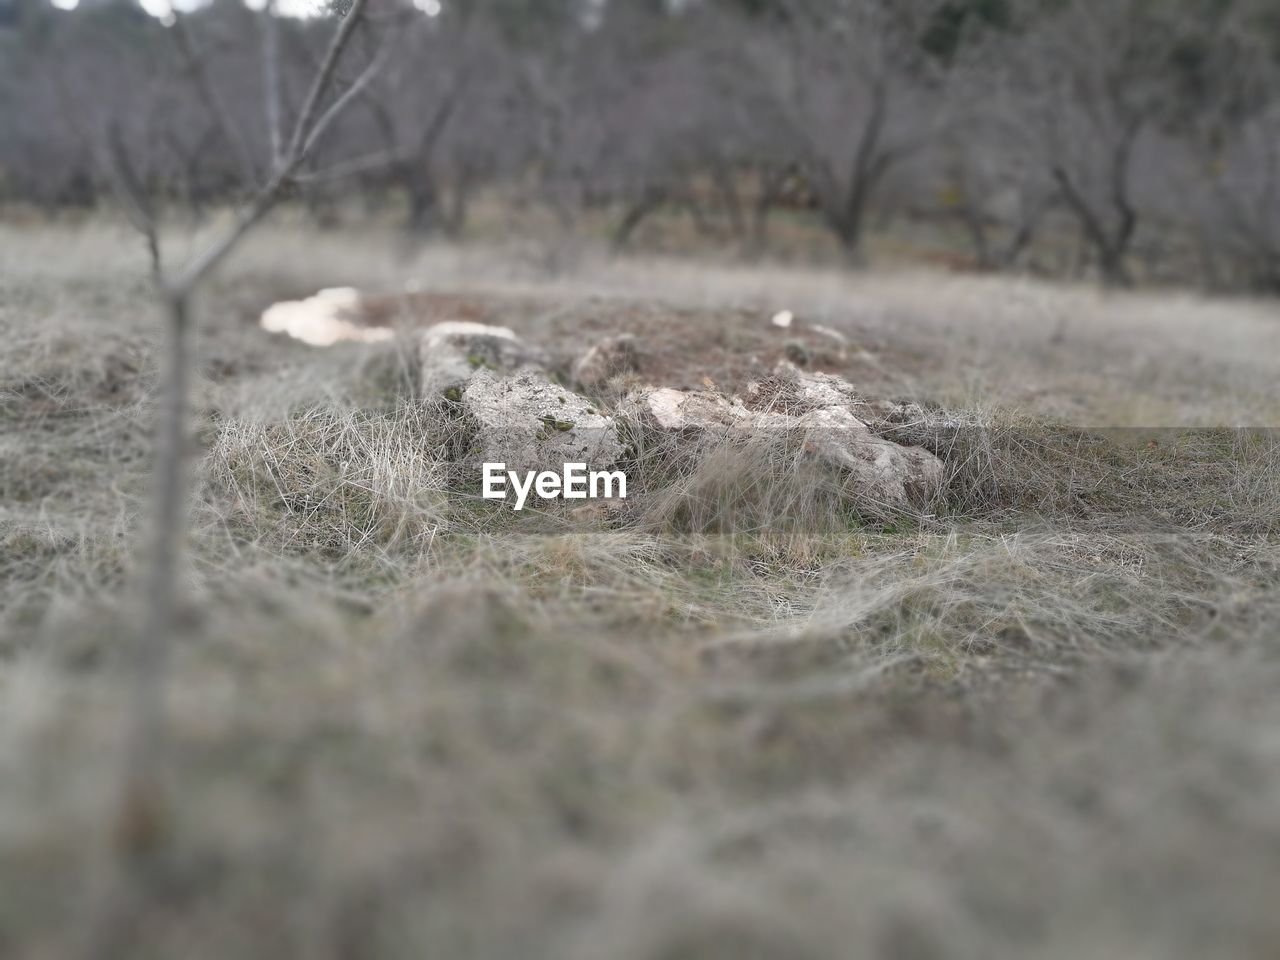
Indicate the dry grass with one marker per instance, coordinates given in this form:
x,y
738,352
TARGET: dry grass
x,y
736,718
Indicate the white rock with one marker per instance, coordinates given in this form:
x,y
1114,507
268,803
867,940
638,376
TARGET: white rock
x,y
462,333
888,475
450,353
322,320
816,389
840,341
816,408
530,423
783,319
903,422
672,410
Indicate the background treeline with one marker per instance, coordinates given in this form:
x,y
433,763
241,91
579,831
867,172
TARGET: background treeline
x,y
1129,139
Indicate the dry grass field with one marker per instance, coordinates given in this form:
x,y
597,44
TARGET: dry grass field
x,y
732,719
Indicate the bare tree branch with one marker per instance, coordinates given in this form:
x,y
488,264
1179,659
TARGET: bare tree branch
x,y
362,164
269,194
339,105
311,103
132,193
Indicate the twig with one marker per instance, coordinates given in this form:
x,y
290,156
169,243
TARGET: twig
x,y
360,164
133,196
336,108
266,198
311,104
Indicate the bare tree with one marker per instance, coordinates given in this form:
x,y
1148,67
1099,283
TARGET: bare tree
x,y
1093,83
843,84
1233,196
437,112
657,128
140,805
987,166
1230,173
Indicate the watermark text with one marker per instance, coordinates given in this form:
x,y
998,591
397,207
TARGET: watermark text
x,y
574,482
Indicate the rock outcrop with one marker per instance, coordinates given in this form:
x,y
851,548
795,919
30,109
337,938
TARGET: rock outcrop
x,y
451,353
514,414
904,422
530,423
508,411
668,410
916,425
887,473
818,410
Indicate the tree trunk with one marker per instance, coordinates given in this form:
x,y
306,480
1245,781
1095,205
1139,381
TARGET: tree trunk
x,y
170,526
424,201
649,201
1110,242
771,185
459,205
848,222
870,163
727,194
691,205
1112,266
976,227
1028,224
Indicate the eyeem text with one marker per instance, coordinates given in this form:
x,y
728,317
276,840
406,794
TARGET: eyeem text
x,y
575,482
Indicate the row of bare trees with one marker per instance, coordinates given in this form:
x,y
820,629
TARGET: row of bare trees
x,y
1126,137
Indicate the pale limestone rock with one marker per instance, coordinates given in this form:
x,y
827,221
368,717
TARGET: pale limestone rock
x,y
815,407
450,353
671,410
903,422
888,474
530,423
